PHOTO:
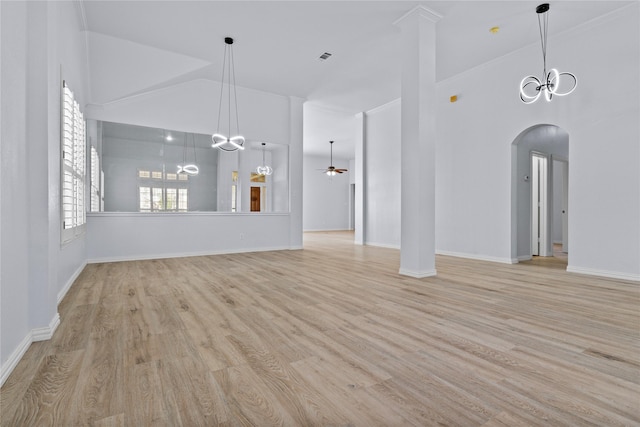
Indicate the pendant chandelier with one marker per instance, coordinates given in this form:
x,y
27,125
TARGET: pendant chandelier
x,y
264,169
223,142
185,167
530,87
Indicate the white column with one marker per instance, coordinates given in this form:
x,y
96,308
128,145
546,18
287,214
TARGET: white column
x,y
295,172
418,125
360,180
42,138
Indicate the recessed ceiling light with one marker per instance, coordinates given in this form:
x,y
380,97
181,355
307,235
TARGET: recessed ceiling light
x,y
494,30
169,138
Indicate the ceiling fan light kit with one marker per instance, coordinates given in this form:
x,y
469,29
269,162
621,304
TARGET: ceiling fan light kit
x,y
531,88
221,141
332,170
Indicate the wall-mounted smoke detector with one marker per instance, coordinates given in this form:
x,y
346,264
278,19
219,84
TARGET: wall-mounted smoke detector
x,y
324,56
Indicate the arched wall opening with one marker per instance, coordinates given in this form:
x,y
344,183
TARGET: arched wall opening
x,y
544,141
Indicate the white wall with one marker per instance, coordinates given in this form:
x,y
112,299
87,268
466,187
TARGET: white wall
x,y
326,199
133,236
279,180
557,190
474,194
14,291
382,163
41,45
604,163
322,124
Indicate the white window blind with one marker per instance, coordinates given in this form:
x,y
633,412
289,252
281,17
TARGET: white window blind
x,y
73,166
95,180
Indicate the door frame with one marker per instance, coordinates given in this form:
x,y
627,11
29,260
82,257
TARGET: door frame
x,y
546,138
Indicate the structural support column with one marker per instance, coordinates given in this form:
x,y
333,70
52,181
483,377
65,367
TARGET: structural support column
x,y
360,180
418,126
43,312
295,171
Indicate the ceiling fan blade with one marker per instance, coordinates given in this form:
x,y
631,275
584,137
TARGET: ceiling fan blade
x,y
342,170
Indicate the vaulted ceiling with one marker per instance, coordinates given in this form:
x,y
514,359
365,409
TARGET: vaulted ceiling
x,y
141,46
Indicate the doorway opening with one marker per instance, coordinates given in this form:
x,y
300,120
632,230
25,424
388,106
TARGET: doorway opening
x,y
539,193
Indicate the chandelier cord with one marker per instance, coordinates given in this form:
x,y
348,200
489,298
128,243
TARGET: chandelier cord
x,y
230,141
235,93
331,162
229,96
224,63
184,151
195,156
543,25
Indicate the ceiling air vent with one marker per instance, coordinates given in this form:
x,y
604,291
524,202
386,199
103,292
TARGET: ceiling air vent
x,y
324,56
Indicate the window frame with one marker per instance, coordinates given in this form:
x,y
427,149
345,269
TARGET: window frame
x,y
150,179
73,167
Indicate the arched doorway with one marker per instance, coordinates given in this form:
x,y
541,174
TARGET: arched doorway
x,y
539,191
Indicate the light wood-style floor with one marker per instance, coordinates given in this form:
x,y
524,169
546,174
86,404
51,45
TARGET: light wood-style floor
x,y
333,336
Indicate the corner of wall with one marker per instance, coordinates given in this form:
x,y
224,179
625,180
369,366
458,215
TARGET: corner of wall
x,y
14,358
38,334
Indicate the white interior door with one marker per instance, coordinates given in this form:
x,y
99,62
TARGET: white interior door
x,y
539,204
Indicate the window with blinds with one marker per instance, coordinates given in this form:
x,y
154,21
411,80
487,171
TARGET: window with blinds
x,y
162,192
73,166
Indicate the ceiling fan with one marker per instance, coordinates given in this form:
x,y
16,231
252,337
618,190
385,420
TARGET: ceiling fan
x,y
332,170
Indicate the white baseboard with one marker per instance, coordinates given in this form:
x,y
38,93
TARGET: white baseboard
x,y
14,358
524,258
43,334
187,254
478,257
604,273
72,279
319,230
382,245
37,334
417,274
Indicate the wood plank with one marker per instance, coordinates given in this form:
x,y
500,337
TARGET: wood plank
x,y
44,401
332,336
